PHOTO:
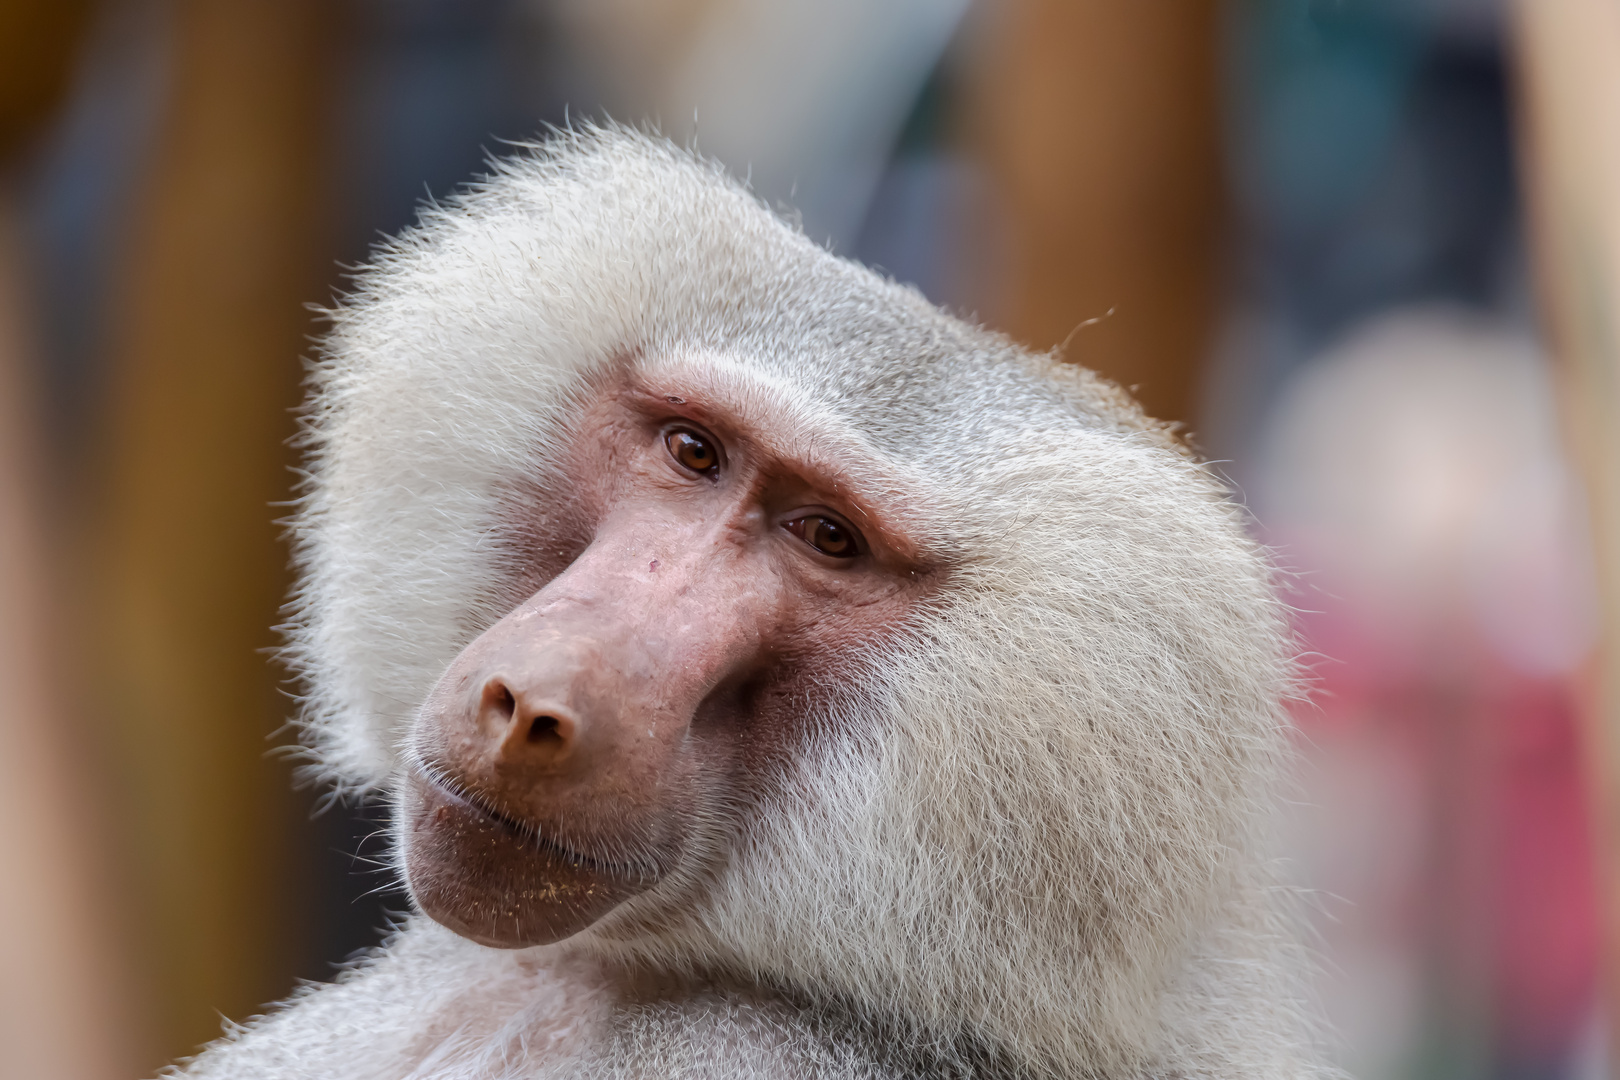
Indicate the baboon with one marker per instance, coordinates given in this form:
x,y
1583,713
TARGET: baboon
x,y
771,674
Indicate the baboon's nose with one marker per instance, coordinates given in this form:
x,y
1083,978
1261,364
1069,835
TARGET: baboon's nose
x,y
531,730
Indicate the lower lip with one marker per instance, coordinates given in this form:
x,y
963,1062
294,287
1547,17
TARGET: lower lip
x,y
479,876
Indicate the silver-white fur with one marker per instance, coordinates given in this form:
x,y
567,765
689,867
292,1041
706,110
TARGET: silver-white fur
x,y
1031,842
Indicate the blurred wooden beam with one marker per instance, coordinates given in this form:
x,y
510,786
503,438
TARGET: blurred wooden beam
x,y
1098,121
1568,54
187,571
63,998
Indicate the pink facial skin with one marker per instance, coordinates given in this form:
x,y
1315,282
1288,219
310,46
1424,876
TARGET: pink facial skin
x,y
725,578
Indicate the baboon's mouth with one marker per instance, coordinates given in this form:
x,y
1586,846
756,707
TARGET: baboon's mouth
x,y
488,877
526,832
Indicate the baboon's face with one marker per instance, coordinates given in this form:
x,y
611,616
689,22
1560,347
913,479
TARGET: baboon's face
x,y
716,582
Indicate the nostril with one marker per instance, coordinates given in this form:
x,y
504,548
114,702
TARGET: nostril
x,y
526,733
498,698
545,729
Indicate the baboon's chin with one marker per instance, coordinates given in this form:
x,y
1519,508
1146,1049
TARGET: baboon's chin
x,y
488,879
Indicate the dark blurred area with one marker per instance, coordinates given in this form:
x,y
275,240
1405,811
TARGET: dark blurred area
x,y
1298,227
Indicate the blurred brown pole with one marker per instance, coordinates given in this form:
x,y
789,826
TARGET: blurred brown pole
x,y
187,571
63,998
1568,54
1098,122
60,961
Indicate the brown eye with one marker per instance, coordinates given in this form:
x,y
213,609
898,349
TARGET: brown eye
x,y
693,451
826,536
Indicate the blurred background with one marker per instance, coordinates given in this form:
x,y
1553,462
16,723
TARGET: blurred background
x,y
1366,251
